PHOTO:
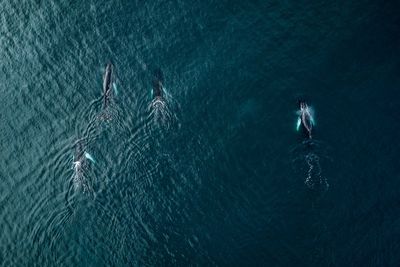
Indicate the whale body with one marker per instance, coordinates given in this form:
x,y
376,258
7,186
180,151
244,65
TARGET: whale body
x,y
107,84
305,118
158,84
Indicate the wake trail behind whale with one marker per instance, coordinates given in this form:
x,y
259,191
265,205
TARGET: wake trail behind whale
x,y
161,111
306,161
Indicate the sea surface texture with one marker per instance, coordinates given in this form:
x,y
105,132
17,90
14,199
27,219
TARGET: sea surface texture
x,y
214,173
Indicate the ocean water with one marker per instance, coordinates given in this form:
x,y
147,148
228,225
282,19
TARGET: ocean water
x,y
216,175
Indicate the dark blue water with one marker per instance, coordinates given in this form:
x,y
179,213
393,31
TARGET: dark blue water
x,y
217,174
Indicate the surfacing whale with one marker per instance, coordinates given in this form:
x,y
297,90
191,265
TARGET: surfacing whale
x,y
305,118
158,80
107,84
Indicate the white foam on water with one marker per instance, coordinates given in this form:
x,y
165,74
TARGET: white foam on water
x,y
307,163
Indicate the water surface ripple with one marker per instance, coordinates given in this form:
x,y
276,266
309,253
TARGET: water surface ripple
x,y
215,175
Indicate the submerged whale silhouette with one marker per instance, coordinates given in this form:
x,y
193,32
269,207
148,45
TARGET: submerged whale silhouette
x,y
158,84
